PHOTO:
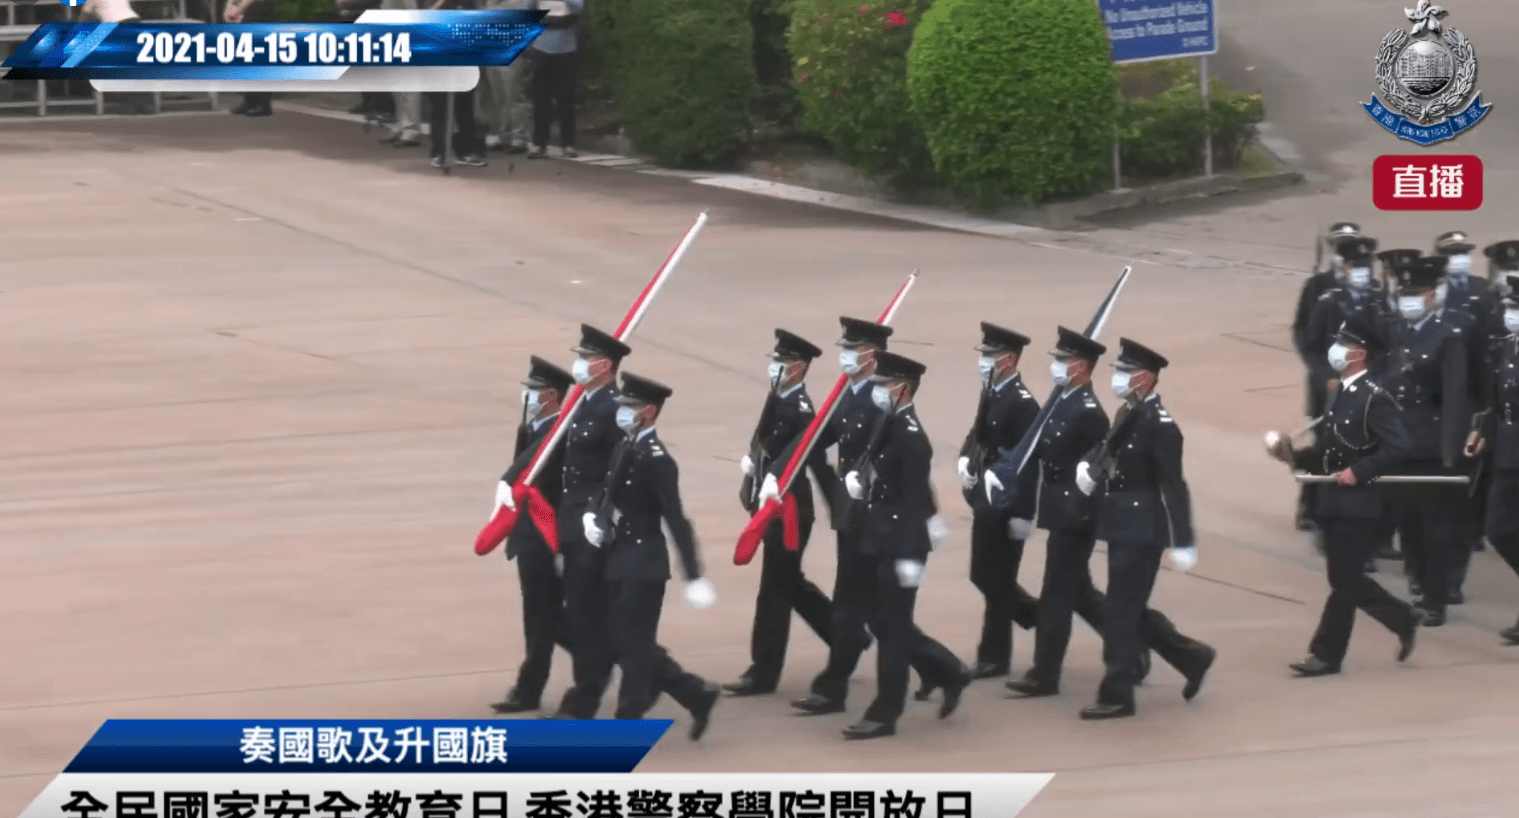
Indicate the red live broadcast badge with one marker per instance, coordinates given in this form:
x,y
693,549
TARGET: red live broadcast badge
x,y
1422,182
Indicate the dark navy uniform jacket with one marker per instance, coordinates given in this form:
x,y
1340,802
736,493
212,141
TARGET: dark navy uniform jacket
x,y
1077,424
901,498
789,417
1427,373
550,482
646,494
1362,430
1009,411
1145,497
850,428
588,447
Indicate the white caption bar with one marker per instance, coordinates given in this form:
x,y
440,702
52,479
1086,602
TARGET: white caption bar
x,y
367,78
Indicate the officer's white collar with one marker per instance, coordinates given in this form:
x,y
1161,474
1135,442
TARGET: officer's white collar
x,y
589,392
788,392
997,387
1352,379
643,433
538,422
856,387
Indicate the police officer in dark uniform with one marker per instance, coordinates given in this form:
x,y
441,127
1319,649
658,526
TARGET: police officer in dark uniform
x,y
1146,509
1496,432
1076,425
1004,415
1428,378
783,587
1384,315
1360,438
543,621
643,495
896,486
588,445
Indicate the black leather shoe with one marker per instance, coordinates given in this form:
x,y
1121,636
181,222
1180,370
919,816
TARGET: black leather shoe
x,y
952,694
1406,638
701,714
1032,688
747,687
1510,635
988,670
815,705
1144,667
1455,597
559,715
1199,673
1103,710
262,110
924,693
1434,619
1314,666
866,728
514,704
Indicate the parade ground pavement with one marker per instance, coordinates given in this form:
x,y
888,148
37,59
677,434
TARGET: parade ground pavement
x,y
261,377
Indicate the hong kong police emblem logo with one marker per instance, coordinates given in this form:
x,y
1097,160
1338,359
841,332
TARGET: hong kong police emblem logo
x,y
1426,75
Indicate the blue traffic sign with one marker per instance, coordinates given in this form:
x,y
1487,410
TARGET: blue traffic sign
x,y
1142,30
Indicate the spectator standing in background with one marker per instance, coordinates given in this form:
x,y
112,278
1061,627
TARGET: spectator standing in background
x,y
375,107
407,131
469,148
556,63
251,11
505,102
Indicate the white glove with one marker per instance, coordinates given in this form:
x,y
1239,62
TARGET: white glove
x,y
769,490
746,465
593,533
1184,559
1019,529
504,497
909,573
1273,439
937,530
962,468
1084,480
559,564
700,595
853,485
992,484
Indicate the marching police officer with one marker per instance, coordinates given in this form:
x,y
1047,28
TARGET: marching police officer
x,y
1004,415
588,445
641,497
895,483
1384,316
1146,509
543,622
783,587
1496,432
1360,438
1428,378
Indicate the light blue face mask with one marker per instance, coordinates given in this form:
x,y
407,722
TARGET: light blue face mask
x,y
1458,265
627,418
1359,277
1511,321
1123,384
1411,307
986,366
880,395
849,361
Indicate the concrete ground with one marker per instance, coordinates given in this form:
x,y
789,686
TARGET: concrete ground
x,y
261,379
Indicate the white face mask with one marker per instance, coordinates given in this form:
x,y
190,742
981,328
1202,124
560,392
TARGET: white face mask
x,y
881,397
777,371
1360,277
986,366
1060,372
1411,307
532,401
1511,321
1441,291
849,361
1122,384
1459,265
626,418
1339,357
581,371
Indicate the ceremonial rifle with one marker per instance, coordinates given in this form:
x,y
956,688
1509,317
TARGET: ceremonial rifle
x,y
604,509
753,534
1102,466
980,453
748,492
1010,466
524,493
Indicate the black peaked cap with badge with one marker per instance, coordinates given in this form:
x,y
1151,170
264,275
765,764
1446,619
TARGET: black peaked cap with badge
x,y
1134,355
1504,254
1421,275
1356,248
1073,344
893,367
1396,260
1454,243
595,342
858,332
1001,339
792,347
640,390
1356,331
544,375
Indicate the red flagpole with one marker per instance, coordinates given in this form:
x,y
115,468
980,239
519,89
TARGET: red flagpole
x,y
753,533
523,491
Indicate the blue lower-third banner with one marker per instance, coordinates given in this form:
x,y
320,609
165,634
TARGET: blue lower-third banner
x,y
639,795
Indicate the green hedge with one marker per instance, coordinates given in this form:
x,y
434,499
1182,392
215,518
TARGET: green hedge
x,y
850,65
1162,132
1018,98
776,103
682,74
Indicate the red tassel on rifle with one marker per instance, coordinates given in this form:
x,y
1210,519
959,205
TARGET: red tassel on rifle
x,y
495,532
754,533
791,525
543,516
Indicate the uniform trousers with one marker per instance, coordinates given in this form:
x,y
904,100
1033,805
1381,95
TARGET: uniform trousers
x,y
1431,524
555,79
586,598
784,588
647,669
544,623
1129,624
1067,589
994,561
1348,543
901,645
1502,527
466,140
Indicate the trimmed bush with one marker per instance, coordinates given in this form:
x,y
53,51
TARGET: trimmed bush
x,y
682,75
1018,98
1162,132
850,65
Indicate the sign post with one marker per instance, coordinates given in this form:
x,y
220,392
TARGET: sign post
x,y
1145,30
